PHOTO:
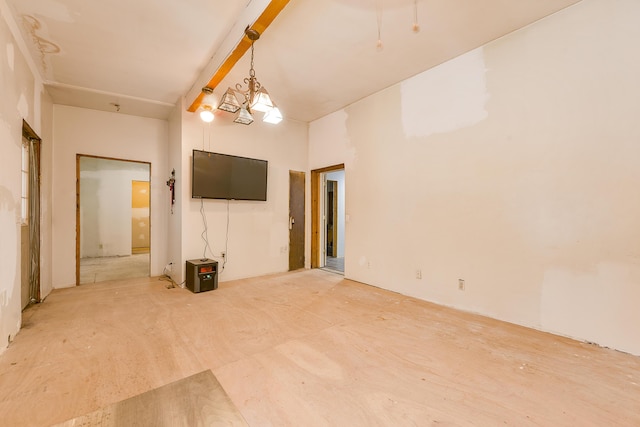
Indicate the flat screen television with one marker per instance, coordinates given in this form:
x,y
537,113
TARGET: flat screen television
x,y
222,176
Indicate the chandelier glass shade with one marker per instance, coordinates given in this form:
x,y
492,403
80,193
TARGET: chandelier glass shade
x,y
244,117
206,115
273,116
229,102
250,98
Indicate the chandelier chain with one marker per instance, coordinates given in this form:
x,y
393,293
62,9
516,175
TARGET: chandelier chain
x,y
252,72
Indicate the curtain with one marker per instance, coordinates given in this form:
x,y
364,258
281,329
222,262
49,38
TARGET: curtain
x,y
34,220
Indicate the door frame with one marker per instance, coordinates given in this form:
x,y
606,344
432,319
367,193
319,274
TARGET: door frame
x,y
316,212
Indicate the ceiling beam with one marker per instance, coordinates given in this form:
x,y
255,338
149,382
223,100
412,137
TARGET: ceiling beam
x,y
261,24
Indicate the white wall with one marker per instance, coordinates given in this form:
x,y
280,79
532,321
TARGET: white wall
x,y
175,224
22,97
46,190
98,133
519,175
258,231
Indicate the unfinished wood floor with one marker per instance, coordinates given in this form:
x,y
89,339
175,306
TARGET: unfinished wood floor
x,y
308,348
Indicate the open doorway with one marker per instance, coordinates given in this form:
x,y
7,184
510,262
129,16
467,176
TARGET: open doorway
x,y
334,220
328,218
112,219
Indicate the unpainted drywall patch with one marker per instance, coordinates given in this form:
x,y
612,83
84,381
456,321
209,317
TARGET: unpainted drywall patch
x,y
446,98
9,249
331,141
23,106
11,56
593,306
6,136
7,204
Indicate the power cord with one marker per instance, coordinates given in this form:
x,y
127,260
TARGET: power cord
x,y
205,232
167,278
205,236
225,258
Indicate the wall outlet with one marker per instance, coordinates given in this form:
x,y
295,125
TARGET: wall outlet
x,y
418,274
369,264
223,254
461,284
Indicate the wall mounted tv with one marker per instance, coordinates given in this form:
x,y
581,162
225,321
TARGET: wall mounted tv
x,y
221,176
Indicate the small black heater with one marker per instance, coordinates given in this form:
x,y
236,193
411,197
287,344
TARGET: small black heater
x,y
202,275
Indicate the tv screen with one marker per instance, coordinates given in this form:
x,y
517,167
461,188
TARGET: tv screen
x,y
221,176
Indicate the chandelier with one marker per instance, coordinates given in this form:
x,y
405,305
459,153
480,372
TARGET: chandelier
x,y
254,98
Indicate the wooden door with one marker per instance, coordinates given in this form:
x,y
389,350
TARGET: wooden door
x,y
296,220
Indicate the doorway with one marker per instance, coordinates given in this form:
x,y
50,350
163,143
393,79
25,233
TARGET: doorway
x,y
334,220
328,218
30,217
112,219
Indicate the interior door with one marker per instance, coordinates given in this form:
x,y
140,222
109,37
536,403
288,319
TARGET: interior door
x,y
296,220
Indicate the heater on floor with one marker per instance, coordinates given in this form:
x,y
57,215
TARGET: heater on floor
x,y
202,275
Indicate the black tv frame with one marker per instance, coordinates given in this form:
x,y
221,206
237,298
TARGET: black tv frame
x,y
243,178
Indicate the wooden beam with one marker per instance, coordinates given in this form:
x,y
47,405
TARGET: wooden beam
x,y
261,24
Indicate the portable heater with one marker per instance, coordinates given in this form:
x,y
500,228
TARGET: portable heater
x,y
202,275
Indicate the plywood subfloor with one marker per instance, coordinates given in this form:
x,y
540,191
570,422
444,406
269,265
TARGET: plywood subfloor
x,y
195,401
308,348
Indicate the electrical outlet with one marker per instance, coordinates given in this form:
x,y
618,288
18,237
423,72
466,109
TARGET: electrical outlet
x,y
224,254
461,284
418,274
369,264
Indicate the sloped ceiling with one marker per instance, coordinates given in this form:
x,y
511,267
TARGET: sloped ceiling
x,y
315,58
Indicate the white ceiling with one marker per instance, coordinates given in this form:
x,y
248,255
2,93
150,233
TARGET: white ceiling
x,y
315,58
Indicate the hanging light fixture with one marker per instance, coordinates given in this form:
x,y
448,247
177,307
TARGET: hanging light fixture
x,y
416,26
273,116
254,98
206,115
229,102
206,108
